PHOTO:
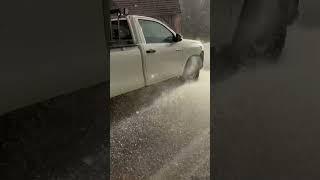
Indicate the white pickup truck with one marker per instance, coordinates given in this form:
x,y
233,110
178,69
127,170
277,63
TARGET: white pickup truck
x,y
145,51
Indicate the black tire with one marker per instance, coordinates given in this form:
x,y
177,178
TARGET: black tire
x,y
193,77
191,72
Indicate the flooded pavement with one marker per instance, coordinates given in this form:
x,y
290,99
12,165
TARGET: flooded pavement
x,y
267,116
163,131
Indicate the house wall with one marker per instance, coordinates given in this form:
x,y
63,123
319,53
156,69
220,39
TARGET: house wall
x,y
177,23
169,12
173,21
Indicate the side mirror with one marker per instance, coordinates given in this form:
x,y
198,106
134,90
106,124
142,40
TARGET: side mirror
x,y
178,37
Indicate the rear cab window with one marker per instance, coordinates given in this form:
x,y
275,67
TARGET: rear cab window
x,y
120,33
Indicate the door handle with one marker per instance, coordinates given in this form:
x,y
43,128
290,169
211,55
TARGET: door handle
x,y
178,49
151,51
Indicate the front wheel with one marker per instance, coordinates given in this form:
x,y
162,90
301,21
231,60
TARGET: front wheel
x,y
192,69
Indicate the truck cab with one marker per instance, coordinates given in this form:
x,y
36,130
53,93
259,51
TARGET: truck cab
x,y
145,51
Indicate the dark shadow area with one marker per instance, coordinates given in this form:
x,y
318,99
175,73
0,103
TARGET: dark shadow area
x,y
225,66
53,139
54,90
267,115
310,14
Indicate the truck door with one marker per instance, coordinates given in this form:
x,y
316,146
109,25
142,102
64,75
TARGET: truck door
x,y
126,71
162,54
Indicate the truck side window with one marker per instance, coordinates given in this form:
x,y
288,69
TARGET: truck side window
x,y
155,32
121,35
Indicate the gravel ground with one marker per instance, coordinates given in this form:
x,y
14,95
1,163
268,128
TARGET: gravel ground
x,y
163,132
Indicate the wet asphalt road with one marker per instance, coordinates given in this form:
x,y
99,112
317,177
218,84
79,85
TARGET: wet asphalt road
x,y
267,122
163,131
